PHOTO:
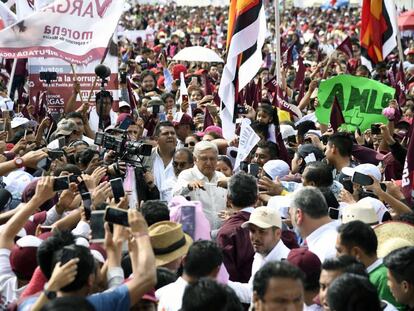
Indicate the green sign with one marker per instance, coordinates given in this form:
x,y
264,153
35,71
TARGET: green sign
x,y
361,100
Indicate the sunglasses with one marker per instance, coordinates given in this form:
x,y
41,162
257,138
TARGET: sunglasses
x,y
191,143
176,164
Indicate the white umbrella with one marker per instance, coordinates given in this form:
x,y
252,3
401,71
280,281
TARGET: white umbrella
x,y
198,54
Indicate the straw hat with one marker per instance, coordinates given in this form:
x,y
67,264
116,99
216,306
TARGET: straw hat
x,y
392,235
362,211
168,241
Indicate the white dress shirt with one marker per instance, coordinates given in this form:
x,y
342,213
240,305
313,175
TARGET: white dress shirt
x,y
170,296
9,290
245,290
322,241
213,198
163,175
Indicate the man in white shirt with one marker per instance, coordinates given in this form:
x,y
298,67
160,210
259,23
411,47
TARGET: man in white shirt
x,y
309,214
203,259
200,183
160,163
265,231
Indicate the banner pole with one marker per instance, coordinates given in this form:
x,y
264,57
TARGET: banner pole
x,y
400,50
277,32
9,87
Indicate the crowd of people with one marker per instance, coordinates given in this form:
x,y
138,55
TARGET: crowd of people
x,y
138,204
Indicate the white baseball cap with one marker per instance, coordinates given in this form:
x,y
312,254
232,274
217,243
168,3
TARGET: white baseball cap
x,y
287,131
366,169
264,217
362,211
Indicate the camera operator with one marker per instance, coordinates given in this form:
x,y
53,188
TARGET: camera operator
x,y
109,116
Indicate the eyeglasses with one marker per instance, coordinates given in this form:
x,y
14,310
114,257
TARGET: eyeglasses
x,y
191,143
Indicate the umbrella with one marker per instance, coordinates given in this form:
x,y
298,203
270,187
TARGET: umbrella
x,y
406,20
198,54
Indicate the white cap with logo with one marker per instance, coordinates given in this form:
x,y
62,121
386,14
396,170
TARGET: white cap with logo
x,y
264,217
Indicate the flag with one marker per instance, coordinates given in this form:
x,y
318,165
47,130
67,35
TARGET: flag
x,y
257,98
287,57
408,172
300,74
271,84
391,75
131,95
400,85
79,33
245,38
336,117
7,16
208,86
346,47
208,120
378,31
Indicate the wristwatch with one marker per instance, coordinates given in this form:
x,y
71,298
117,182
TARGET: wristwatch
x,y
18,162
50,295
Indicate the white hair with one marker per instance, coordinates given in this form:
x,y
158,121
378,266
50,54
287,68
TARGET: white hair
x,y
203,146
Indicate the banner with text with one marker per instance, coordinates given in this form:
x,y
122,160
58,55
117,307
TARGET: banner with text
x,y
361,100
61,90
77,31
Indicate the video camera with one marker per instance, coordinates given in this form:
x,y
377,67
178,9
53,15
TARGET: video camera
x,y
127,151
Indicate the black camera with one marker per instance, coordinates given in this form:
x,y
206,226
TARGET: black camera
x,y
126,150
48,76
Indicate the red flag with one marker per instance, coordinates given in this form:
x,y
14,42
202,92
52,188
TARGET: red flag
x,y
257,94
408,172
208,87
208,120
336,118
400,85
287,57
283,154
131,96
271,84
279,101
216,99
392,75
346,47
301,93
300,74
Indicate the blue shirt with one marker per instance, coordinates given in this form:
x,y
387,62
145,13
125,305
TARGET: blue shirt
x,y
116,299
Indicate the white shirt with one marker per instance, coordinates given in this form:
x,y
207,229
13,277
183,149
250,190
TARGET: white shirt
x,y
54,144
213,198
245,290
9,291
322,241
170,296
163,175
94,119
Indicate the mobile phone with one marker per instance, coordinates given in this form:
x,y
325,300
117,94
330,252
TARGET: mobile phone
x,y
188,220
254,169
97,226
241,110
193,106
55,154
68,253
244,166
362,179
375,129
117,216
99,138
73,178
123,78
117,186
333,213
61,183
155,109
82,187
61,142
44,164
87,203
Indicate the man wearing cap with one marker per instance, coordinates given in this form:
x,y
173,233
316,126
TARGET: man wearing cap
x,y
309,215
265,234
200,183
310,265
203,260
124,107
182,128
66,128
160,163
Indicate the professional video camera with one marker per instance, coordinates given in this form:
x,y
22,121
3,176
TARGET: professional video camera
x,y
127,151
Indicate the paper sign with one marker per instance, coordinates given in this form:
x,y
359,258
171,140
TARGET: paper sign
x,y
247,140
361,101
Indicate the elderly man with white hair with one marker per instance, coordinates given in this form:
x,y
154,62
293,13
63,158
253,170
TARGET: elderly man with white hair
x,y
199,183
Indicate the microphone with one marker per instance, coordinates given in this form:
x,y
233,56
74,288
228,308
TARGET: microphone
x,y
102,71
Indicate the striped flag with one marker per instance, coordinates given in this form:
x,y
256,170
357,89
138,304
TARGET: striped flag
x,y
245,38
378,31
7,17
